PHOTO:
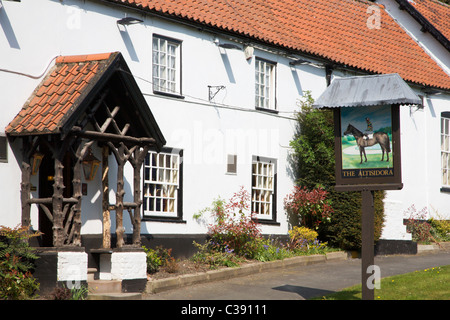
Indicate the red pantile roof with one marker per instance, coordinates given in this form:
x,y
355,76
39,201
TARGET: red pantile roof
x,y
60,92
333,29
436,12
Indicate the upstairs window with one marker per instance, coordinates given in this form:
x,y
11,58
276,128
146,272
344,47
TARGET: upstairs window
x,y
166,65
265,84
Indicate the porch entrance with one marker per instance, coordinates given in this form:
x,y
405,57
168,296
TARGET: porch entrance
x,y
84,103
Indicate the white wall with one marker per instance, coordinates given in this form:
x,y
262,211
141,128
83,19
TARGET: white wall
x,y
206,131
421,167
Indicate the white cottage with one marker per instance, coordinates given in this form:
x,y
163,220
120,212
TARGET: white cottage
x,y
175,103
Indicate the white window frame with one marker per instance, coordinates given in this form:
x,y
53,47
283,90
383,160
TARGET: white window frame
x,y
445,149
161,184
265,84
166,65
263,188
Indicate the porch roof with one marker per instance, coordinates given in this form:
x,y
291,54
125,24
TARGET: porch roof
x,y
366,91
72,84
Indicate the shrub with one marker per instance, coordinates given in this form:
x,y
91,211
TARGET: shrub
x,y
64,293
440,227
16,264
268,250
417,224
302,239
213,258
153,260
312,207
235,227
160,257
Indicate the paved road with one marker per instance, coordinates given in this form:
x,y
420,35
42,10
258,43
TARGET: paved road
x,y
303,282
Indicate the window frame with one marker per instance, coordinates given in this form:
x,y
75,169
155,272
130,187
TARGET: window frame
x,y
272,100
4,149
177,215
177,93
444,136
271,218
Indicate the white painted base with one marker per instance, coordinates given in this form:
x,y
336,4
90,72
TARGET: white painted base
x,y
72,268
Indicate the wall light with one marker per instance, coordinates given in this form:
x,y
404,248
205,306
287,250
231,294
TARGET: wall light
x,y
298,61
229,46
90,165
129,20
36,161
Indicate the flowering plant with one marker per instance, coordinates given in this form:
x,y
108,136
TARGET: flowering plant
x,y
235,226
417,224
312,207
303,239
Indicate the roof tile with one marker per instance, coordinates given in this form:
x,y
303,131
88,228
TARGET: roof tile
x,y
435,12
57,94
333,29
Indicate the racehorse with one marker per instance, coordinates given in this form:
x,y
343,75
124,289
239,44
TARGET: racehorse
x,y
378,137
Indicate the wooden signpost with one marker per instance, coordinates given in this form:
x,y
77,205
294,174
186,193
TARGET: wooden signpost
x,y
367,146
367,154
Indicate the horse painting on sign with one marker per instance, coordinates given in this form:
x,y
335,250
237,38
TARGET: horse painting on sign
x,y
364,141
369,148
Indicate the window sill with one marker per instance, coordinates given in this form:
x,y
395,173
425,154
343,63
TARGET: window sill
x,y
167,94
445,189
267,110
268,222
163,219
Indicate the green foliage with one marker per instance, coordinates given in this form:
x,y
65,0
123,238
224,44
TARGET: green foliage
x,y
64,293
160,257
441,229
417,225
427,284
235,227
16,263
313,164
153,260
210,256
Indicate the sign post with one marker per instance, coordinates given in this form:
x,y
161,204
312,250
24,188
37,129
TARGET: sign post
x,y
367,147
367,154
367,250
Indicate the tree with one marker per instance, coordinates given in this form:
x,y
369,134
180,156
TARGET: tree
x,y
312,163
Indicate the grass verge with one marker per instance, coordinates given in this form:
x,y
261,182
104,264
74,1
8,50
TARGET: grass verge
x,y
428,284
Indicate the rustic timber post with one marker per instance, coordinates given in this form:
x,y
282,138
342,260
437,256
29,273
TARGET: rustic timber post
x,y
119,196
57,203
137,164
77,194
105,199
25,186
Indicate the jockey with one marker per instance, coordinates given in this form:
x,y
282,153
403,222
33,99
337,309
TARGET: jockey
x,y
368,134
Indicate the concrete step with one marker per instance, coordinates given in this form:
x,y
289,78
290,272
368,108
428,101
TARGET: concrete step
x,y
105,286
115,296
92,274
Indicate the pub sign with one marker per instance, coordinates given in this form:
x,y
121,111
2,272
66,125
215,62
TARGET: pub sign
x,y
367,146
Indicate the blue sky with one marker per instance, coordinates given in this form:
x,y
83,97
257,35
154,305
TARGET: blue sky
x,y
380,116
